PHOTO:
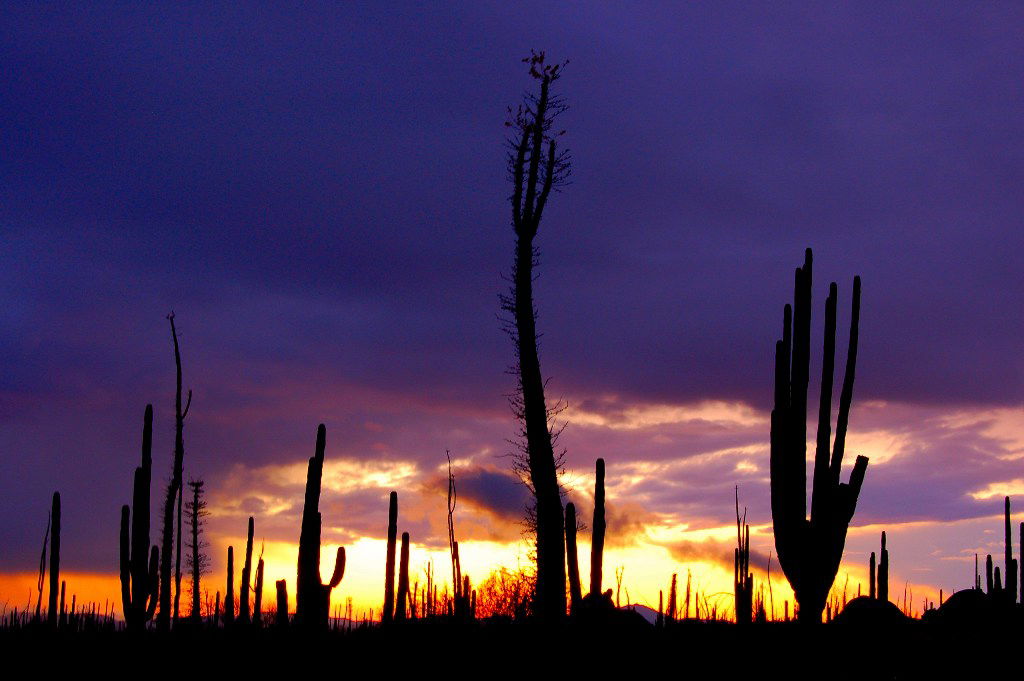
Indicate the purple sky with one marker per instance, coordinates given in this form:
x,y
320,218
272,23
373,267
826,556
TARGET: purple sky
x,y
319,193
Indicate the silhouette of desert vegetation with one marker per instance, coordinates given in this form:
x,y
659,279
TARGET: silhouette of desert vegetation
x,y
530,611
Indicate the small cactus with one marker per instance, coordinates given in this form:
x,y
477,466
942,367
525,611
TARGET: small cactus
x,y
598,530
229,595
389,568
244,614
281,618
883,573
51,613
572,558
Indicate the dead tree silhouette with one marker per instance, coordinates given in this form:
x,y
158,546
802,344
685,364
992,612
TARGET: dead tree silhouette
x,y
313,597
138,581
536,167
163,621
810,551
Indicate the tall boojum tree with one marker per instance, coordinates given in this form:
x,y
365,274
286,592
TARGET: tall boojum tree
x,y
536,167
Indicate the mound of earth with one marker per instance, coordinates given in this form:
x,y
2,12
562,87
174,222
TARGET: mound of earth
x,y
870,611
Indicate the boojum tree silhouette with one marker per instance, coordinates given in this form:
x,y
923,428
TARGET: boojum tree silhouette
x,y
536,167
173,494
810,551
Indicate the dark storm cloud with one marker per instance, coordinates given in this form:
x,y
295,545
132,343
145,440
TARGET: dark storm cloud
x,y
319,193
494,491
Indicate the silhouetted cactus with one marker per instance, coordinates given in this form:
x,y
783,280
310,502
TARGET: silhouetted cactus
x,y
989,583
572,559
51,613
229,595
1010,562
312,596
281,618
257,609
389,568
401,605
871,577
598,530
139,579
883,573
810,551
244,616
63,612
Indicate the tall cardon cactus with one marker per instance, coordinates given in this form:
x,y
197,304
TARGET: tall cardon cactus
x,y
809,551
312,596
139,584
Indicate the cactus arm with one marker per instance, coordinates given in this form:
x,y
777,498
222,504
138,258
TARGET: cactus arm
x,y
846,397
389,566
572,559
125,556
821,494
339,567
597,543
153,581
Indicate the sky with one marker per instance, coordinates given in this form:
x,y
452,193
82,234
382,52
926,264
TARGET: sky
x,y
319,193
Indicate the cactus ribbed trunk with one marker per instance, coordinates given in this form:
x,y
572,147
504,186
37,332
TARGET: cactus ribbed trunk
x,y
883,573
403,580
281,618
312,596
63,612
229,595
1010,562
871,577
389,567
244,616
138,577
598,529
257,609
51,612
810,551
572,558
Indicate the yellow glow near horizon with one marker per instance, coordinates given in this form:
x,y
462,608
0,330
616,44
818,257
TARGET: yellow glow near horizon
x,y
19,588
